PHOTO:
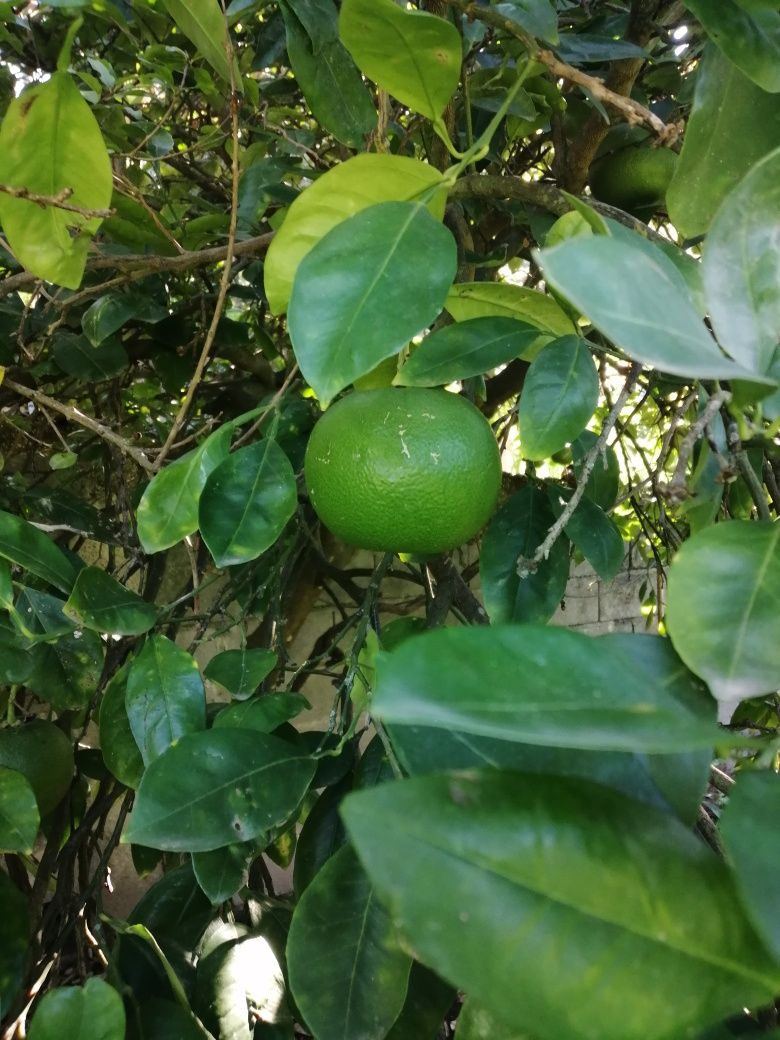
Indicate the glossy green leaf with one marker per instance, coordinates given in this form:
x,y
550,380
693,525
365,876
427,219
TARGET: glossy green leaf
x,y
346,189
742,269
264,713
604,481
413,55
569,874
465,349
168,510
99,602
165,698
326,74
117,743
668,335
495,299
537,17
93,1011
78,358
365,289
428,999
594,533
560,394
239,982
322,834
19,816
43,616
733,124
203,22
357,986
222,872
14,939
174,907
25,545
6,586
750,826
50,142
109,313
749,36
535,685
477,1023
240,671
66,673
516,530
217,788
729,640
15,659
246,502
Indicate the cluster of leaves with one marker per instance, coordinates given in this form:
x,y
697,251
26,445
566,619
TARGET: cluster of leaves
x,y
216,222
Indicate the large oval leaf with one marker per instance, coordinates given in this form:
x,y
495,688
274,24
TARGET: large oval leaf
x,y
25,545
729,640
346,189
413,55
246,502
218,788
99,602
356,987
535,685
614,920
747,33
91,1012
365,290
50,142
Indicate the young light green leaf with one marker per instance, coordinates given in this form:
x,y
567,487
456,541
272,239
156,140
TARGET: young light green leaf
x,y
365,289
29,548
568,873
516,530
742,267
91,1012
203,22
217,788
246,502
535,685
594,533
50,142
117,743
495,299
560,394
99,602
729,640
340,193
19,815
748,34
413,55
240,671
465,349
165,698
357,987
264,713
626,309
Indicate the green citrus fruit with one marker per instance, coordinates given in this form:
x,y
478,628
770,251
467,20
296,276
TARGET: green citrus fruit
x,y
634,178
403,470
42,753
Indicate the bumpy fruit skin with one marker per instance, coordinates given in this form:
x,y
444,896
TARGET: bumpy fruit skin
x,y
403,470
42,753
633,179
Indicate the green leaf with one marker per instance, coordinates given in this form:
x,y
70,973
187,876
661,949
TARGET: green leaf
x,y
99,602
535,685
218,788
560,394
246,502
516,530
750,826
494,299
325,72
365,289
465,349
649,315
346,189
43,616
428,999
730,640
568,874
592,531
413,55
741,267
66,673
50,142
14,940
537,17
117,743
322,834
168,510
19,816
222,872
240,671
732,125
165,698
203,22
604,481
264,713
75,356
15,660
749,36
29,548
109,313
477,1023
91,1012
357,986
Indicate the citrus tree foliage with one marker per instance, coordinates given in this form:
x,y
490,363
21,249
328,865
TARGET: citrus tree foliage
x,y
216,221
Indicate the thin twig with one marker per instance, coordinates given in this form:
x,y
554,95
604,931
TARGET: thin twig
x,y
677,488
58,201
747,473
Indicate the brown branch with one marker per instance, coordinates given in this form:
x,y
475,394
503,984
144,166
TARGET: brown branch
x,y
58,201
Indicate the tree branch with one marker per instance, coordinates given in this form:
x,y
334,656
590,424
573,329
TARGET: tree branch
x,y
58,201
